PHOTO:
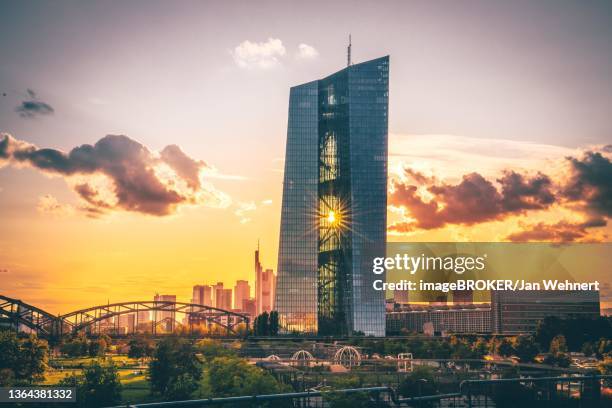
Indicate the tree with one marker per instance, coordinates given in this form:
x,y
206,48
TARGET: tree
x,y
525,348
9,355
33,356
558,345
77,347
273,323
420,382
22,360
504,347
353,400
480,348
97,347
588,349
232,376
98,386
211,349
261,325
175,370
140,348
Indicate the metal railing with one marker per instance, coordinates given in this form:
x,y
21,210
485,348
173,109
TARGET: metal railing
x,y
468,392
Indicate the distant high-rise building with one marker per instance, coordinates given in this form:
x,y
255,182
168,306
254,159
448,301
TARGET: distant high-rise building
x,y
334,209
249,307
202,295
265,286
144,316
214,290
224,299
242,291
127,322
166,319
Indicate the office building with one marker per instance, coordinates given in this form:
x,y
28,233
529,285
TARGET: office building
x,y
334,206
463,297
249,307
164,319
443,319
515,312
242,291
223,298
202,295
265,286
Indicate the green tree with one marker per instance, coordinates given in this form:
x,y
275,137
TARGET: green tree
x,y
175,370
211,348
22,360
33,356
558,345
97,347
9,356
140,348
273,323
232,376
480,348
588,349
604,348
261,325
525,348
420,382
504,347
98,386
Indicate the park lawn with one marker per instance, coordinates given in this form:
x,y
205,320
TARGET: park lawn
x,y
70,362
136,390
52,377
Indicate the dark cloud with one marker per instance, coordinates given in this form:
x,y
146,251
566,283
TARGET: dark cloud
x,y
183,165
129,165
33,107
519,193
590,183
562,231
473,200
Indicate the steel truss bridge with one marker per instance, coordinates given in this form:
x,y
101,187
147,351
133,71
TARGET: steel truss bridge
x,y
160,317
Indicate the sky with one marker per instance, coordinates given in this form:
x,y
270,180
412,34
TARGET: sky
x,y
177,111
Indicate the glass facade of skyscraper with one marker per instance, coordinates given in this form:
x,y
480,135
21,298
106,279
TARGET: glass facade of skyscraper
x,y
334,202
296,291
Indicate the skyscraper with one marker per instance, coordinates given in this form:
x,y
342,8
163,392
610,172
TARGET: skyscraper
x,y
202,295
165,319
242,291
333,217
223,297
265,286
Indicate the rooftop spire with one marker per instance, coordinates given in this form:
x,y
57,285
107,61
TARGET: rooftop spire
x,y
348,59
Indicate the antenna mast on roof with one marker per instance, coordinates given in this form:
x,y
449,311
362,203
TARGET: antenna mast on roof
x,y
348,59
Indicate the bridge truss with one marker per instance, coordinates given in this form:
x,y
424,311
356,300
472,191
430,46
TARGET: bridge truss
x,y
156,317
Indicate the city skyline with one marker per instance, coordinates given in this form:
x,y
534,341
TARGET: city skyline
x,y
495,101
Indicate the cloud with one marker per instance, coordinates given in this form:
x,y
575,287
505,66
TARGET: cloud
x,y
33,107
306,51
243,209
48,204
473,200
590,182
118,173
562,231
262,55
185,166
